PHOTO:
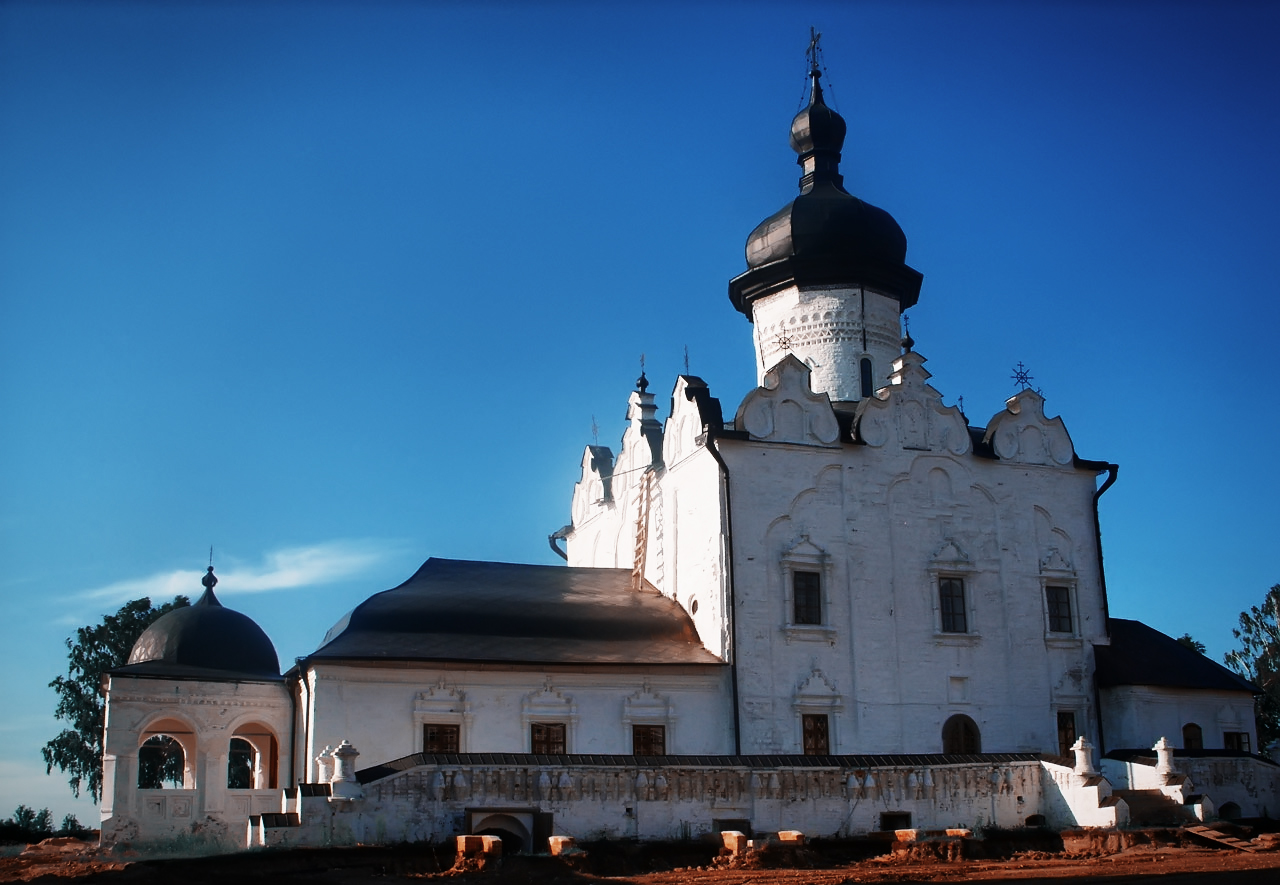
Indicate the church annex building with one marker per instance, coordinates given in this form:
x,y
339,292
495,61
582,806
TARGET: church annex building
x,y
835,607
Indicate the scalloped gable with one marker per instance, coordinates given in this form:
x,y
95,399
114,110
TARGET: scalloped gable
x,y
595,484
1023,434
693,410
910,412
786,410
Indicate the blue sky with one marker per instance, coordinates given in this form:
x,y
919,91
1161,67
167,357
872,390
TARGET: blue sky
x,y
337,287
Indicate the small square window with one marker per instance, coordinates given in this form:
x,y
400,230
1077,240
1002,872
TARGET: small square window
x,y
955,618
1059,599
546,738
1236,740
816,735
1066,732
806,588
649,740
439,738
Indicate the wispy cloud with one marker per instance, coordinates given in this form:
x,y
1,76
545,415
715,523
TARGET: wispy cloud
x,y
283,569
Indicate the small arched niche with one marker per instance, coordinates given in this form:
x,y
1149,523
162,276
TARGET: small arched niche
x,y
1192,737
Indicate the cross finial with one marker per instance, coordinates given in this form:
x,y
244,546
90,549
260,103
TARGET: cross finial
x,y
812,52
595,431
686,359
1022,376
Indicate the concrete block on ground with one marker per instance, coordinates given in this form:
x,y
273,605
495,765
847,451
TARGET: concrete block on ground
x,y
735,841
559,845
795,837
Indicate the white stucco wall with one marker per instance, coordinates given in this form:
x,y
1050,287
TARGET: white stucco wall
x,y
381,709
1135,716
203,716
830,329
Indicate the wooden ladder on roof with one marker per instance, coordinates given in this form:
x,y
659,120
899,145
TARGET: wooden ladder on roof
x,y
644,505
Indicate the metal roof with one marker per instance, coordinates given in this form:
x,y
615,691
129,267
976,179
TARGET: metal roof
x,y
456,610
203,640
1141,655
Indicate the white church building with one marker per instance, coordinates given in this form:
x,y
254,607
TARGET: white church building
x,y
838,607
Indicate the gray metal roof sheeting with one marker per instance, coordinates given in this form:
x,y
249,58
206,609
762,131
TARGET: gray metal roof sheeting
x,y
456,610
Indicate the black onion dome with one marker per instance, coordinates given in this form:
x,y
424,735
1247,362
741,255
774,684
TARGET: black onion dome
x,y
202,637
825,235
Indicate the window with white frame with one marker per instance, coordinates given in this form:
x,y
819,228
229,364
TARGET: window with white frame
x,y
442,719
1058,590
952,604
952,577
806,578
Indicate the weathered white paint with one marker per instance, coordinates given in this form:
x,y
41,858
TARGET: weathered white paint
x,y
1136,716
203,716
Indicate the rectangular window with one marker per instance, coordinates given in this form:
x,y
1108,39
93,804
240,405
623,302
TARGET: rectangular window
x,y
439,738
1236,740
1059,599
806,588
546,738
649,740
1066,732
955,618
816,740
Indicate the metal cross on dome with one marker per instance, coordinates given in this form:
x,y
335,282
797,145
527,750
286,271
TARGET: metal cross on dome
x,y
784,341
1022,376
812,52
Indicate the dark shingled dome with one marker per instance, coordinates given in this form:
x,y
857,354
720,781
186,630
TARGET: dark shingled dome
x,y
825,236
205,636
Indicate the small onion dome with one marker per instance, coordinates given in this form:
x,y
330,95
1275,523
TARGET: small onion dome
x,y
825,236
206,636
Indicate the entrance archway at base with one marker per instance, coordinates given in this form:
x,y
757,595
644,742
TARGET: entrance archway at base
x,y
514,833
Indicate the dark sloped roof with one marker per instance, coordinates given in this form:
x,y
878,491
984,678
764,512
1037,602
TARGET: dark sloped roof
x,y
204,640
1140,655
455,610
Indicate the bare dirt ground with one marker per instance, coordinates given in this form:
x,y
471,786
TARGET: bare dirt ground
x,y
1162,863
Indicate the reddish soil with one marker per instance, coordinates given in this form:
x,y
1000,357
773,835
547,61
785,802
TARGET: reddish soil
x,y
692,864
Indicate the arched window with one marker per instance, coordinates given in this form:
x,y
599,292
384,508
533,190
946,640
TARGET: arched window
x,y
868,384
960,736
1192,737
240,765
252,758
161,763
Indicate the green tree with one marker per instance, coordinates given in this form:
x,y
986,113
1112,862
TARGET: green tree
x,y
94,650
71,826
1191,643
1258,660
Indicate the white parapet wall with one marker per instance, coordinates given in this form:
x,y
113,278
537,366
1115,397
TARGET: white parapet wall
x,y
682,799
1237,786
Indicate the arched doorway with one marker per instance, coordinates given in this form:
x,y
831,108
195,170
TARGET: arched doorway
x,y
960,736
514,834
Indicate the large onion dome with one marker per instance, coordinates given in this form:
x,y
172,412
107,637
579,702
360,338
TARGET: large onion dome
x,y
825,236
204,637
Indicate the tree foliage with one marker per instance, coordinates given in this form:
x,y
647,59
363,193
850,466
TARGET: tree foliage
x,y
26,825
94,650
1258,660
1186,639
